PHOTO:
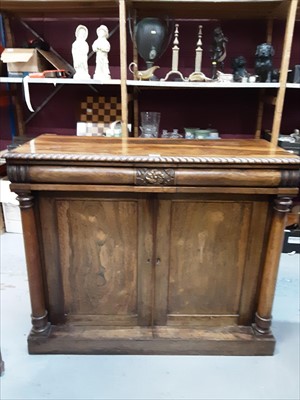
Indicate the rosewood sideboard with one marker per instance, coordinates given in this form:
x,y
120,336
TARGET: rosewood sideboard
x,y
141,246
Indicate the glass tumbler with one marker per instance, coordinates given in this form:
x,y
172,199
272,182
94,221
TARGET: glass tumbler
x,y
150,123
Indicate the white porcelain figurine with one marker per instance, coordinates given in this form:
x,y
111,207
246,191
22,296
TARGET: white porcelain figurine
x,y
101,47
80,50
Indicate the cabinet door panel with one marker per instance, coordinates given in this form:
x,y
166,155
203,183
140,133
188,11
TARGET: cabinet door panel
x,y
204,278
99,257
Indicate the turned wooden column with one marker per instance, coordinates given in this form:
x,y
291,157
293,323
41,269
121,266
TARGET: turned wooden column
x,y
263,316
39,316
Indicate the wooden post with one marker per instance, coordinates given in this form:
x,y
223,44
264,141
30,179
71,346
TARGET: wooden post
x,y
123,66
135,128
263,315
260,114
15,104
39,316
270,30
289,30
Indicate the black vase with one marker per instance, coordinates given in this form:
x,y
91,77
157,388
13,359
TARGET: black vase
x,y
152,37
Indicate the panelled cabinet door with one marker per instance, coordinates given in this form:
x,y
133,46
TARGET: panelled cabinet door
x,y
203,272
142,260
98,265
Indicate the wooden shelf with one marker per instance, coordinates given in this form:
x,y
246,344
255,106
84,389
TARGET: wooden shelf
x,y
5,79
149,84
207,85
216,9
61,81
64,7
293,85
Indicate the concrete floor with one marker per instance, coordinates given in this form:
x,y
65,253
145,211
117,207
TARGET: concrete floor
x,y
144,377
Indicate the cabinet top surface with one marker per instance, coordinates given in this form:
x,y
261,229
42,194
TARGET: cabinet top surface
x,y
136,150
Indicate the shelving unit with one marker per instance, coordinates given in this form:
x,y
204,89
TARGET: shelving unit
x,y
268,10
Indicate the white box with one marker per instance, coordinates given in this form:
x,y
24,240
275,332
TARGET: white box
x,y
10,206
12,218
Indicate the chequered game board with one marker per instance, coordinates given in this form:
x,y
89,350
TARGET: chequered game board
x,y
98,112
100,109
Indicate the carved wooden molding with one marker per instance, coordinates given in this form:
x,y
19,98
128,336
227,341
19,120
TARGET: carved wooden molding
x,y
151,159
17,173
262,325
155,176
40,324
122,174
25,200
283,204
290,178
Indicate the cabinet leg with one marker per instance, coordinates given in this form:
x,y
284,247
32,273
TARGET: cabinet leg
x,y
39,314
263,317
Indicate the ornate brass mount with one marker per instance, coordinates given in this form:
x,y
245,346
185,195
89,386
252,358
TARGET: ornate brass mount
x,y
155,176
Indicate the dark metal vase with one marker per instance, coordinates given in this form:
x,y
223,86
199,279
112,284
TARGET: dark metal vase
x,y
152,37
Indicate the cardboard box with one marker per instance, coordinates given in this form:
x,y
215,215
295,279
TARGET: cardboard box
x,y
10,207
20,62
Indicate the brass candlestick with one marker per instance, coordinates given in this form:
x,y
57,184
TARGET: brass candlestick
x,y
175,57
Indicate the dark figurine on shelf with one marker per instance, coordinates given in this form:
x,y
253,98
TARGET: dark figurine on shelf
x,y
218,51
263,62
240,73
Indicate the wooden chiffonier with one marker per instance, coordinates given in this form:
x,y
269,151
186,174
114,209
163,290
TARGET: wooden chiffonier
x,y
141,246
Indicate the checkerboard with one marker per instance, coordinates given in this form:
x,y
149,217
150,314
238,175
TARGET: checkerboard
x,y
99,111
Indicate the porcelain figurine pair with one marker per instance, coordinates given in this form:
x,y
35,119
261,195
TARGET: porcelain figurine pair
x,y
80,50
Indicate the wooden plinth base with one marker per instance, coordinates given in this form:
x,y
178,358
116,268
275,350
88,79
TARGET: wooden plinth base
x,y
160,340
